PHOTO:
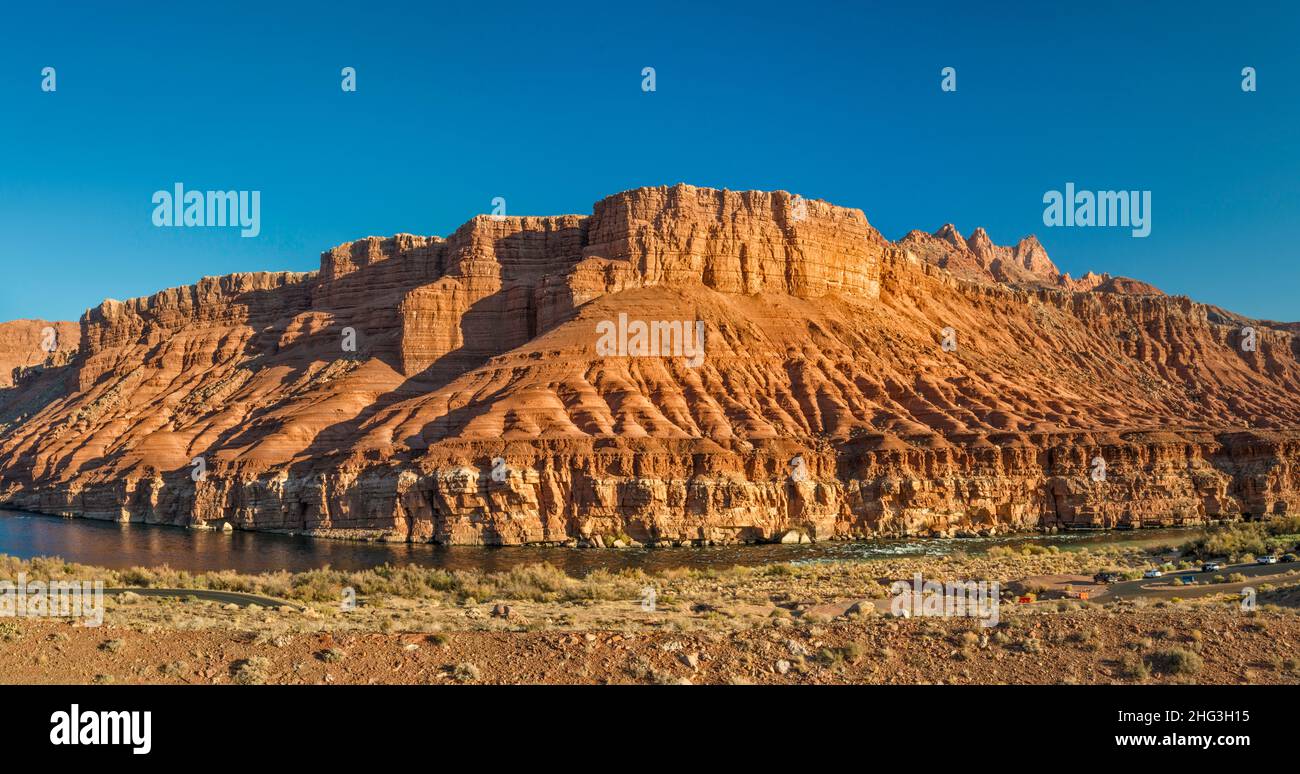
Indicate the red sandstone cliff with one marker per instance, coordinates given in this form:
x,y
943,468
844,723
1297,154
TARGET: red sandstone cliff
x,y
29,345
823,342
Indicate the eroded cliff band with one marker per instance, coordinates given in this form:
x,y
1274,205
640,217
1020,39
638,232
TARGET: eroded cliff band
x,y
475,408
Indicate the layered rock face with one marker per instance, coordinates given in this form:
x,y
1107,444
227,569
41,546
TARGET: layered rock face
x,y
464,390
27,346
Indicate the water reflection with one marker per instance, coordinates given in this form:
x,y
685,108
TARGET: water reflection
x,y
108,544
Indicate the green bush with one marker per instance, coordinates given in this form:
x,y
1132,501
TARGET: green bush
x,y
1175,661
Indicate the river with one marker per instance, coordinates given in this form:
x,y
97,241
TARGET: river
x,y
109,544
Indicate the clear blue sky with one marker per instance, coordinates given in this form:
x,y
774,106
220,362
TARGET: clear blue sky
x,y
541,103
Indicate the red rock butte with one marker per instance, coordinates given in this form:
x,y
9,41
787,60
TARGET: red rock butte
x,y
823,342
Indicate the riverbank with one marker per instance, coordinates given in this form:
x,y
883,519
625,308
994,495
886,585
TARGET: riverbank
x,y
817,622
122,546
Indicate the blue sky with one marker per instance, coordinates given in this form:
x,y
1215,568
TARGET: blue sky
x,y
541,103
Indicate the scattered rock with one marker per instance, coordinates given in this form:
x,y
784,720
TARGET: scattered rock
x,y
862,607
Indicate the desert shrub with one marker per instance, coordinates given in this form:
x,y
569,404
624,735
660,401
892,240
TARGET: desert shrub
x,y
1081,637
1175,661
331,655
853,652
1132,667
251,671
1250,539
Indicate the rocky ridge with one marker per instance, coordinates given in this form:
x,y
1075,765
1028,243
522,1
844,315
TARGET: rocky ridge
x,y
452,390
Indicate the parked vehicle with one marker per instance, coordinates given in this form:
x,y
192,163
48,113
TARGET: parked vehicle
x,y
1266,559
1153,573
1212,567
1108,577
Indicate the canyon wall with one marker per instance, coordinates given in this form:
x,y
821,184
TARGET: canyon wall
x,y
29,345
451,390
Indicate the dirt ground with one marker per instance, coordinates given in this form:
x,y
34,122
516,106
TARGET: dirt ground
x,y
1210,642
803,623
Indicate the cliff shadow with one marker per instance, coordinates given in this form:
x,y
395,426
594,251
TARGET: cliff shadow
x,y
35,390
484,329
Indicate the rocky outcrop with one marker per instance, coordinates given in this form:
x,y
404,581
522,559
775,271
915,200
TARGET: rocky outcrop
x,y
457,390
738,242
29,345
1027,264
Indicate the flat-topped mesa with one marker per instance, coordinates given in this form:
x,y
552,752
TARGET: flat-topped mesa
x,y
516,248
499,281
351,256
229,297
509,278
354,274
485,300
243,299
738,241
824,342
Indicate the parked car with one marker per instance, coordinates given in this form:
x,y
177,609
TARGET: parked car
x,y
1108,577
1212,567
1153,573
1266,559
1288,557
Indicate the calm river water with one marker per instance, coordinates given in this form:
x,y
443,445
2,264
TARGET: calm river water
x,y
109,544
